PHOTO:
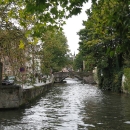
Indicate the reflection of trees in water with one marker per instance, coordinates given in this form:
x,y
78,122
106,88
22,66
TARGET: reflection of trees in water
x,y
107,113
8,117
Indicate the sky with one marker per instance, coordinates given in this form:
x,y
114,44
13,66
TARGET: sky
x,y
72,26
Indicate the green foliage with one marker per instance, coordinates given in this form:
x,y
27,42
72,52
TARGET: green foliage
x,y
78,62
117,81
89,62
104,42
54,51
37,16
126,58
110,81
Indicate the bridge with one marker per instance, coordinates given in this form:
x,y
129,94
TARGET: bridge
x,y
60,76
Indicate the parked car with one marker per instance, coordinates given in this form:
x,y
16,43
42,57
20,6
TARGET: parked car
x,y
9,80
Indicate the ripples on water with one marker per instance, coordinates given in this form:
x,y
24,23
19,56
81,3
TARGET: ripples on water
x,y
71,106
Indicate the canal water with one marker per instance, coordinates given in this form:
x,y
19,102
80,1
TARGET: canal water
x,y
71,106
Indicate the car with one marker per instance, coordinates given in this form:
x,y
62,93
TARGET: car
x,y
9,80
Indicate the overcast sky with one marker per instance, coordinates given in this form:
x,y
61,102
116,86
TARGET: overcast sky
x,y
73,25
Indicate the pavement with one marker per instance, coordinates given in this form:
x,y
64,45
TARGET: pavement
x,y
37,84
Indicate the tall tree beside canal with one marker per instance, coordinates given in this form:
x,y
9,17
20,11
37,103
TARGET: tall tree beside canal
x,y
78,62
105,40
54,50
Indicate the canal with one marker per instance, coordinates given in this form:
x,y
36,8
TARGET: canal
x,y
71,106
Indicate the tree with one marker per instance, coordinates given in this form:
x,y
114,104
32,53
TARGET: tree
x,y
105,40
54,51
37,16
78,62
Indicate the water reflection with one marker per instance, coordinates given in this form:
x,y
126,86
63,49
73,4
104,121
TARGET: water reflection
x,y
71,106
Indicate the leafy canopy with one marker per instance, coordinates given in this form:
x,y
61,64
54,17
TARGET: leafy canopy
x,y
54,51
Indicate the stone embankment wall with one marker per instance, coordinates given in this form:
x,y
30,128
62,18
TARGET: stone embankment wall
x,y
30,94
89,79
10,96
126,83
15,96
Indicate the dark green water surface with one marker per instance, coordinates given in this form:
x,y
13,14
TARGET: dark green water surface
x,y
71,106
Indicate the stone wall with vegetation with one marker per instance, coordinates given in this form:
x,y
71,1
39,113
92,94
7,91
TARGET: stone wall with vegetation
x,y
10,96
15,96
89,79
31,93
126,81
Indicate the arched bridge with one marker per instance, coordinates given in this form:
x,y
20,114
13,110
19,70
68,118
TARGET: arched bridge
x,y
60,76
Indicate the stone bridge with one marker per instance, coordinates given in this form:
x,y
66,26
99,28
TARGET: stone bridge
x,y
60,76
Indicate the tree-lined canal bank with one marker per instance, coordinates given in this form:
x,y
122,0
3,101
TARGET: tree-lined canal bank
x,y
71,106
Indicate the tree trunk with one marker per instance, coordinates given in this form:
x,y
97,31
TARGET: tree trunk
x,y
1,67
